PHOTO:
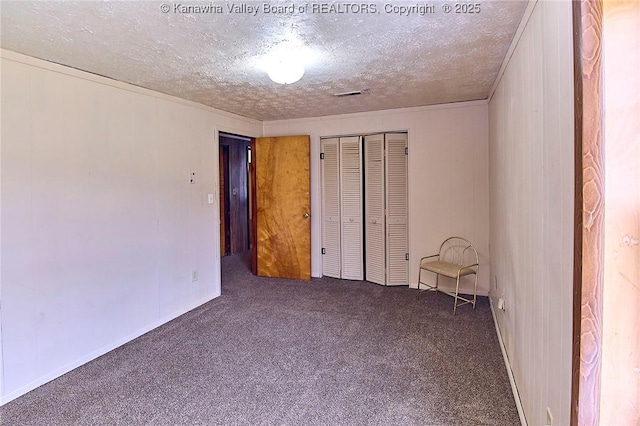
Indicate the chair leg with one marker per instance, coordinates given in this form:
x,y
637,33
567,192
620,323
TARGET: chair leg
x,y
455,299
475,291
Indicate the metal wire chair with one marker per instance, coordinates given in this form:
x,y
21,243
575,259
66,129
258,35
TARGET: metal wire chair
x,y
456,258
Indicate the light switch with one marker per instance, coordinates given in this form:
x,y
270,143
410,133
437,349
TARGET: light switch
x,y
210,198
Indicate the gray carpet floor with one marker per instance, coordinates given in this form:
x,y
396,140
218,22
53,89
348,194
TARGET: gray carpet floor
x,y
284,352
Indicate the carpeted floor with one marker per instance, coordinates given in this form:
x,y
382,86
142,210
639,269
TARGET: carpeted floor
x,y
272,351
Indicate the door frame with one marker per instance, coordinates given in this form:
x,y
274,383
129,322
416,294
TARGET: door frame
x,y
588,253
253,230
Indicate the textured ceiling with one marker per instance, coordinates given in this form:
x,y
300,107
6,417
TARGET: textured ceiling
x,y
405,59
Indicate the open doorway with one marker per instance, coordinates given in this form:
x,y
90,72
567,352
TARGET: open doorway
x,y
235,203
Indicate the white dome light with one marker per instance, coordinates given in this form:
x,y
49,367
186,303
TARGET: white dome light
x,y
285,71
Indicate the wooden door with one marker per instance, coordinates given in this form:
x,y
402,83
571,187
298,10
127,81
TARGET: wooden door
x,y
283,225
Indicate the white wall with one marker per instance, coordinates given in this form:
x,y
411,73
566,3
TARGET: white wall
x,y
531,163
100,227
448,173
620,374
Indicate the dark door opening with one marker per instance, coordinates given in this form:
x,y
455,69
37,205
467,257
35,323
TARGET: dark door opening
x,y
225,228
235,217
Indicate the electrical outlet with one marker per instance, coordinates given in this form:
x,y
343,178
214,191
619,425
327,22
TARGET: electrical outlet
x,y
501,304
210,198
549,417
192,177
194,275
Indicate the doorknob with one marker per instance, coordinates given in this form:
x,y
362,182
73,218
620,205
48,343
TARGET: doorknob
x,y
305,215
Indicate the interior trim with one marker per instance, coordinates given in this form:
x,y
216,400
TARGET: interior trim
x,y
505,357
95,78
386,112
528,11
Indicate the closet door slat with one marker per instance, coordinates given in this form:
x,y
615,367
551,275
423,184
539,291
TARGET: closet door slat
x,y
374,193
351,207
397,209
330,169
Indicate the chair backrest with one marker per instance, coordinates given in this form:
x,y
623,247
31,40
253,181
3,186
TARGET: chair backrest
x,y
458,251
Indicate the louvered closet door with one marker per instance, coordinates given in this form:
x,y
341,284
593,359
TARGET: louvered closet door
x,y
397,209
374,194
330,207
351,206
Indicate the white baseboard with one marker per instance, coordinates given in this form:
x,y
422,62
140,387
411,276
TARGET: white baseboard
x,y
514,388
95,354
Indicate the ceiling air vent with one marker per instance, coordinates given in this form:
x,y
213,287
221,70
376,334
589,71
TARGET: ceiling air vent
x,y
352,93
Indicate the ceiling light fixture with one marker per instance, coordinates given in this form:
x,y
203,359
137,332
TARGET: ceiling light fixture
x,y
285,71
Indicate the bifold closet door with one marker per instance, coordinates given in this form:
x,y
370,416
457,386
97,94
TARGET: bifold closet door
x,y
381,219
397,209
374,195
330,169
351,207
